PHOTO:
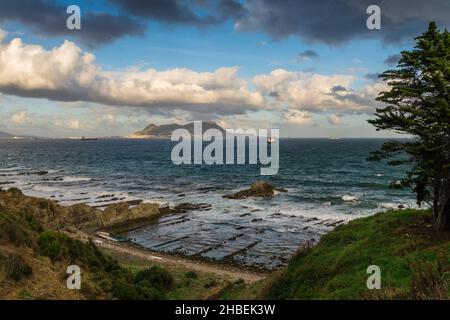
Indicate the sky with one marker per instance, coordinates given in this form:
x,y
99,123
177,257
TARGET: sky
x,y
307,67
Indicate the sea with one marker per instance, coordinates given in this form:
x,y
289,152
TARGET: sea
x,y
328,183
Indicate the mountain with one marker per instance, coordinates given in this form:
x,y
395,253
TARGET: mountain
x,y
154,131
5,135
8,136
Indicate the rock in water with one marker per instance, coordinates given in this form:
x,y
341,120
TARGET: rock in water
x,y
258,189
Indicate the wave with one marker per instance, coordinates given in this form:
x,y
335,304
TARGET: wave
x,y
349,198
43,188
75,179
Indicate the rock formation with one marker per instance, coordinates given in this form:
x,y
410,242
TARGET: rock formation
x,y
258,189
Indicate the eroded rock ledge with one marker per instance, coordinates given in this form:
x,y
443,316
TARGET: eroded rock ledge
x,y
117,217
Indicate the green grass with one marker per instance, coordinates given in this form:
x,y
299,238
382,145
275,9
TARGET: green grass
x,y
402,243
187,284
103,276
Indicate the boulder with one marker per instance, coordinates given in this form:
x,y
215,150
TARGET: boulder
x,y
121,213
258,189
81,216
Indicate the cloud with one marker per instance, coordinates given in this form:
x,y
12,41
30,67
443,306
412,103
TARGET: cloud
x,y
307,55
393,59
21,118
3,35
66,73
334,119
315,92
184,12
169,11
338,21
299,117
69,74
362,100
49,18
331,22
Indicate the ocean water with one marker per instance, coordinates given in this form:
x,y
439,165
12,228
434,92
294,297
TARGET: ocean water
x,y
329,182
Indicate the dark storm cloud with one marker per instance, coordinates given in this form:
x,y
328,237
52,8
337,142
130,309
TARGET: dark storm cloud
x,y
49,18
184,12
393,60
327,21
338,21
308,54
168,11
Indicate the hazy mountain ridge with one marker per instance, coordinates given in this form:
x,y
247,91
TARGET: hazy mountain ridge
x,y
5,135
8,136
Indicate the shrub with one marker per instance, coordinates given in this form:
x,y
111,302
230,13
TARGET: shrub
x,y
59,247
125,291
427,282
191,275
211,283
15,190
15,231
17,268
53,245
156,276
148,292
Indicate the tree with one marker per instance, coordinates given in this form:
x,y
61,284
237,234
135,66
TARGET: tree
x,y
418,104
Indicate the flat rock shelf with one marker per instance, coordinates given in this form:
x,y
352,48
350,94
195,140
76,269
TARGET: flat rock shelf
x,y
246,239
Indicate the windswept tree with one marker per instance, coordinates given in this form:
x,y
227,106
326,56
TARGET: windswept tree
x,y
418,104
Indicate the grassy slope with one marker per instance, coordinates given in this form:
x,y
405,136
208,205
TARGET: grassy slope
x,y
40,257
414,262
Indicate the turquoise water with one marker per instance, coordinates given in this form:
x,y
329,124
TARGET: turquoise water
x,y
328,182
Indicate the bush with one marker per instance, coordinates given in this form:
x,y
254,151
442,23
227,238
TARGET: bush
x,y
191,275
125,291
15,190
428,282
109,276
157,277
148,292
17,268
15,231
59,247
210,283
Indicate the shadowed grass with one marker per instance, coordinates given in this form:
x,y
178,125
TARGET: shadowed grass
x,y
402,243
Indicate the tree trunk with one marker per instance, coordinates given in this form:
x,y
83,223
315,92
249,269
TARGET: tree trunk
x,y
442,215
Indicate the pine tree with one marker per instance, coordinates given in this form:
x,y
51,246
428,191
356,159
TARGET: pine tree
x,y
418,104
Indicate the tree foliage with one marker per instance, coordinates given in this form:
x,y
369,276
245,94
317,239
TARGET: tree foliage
x,y
418,104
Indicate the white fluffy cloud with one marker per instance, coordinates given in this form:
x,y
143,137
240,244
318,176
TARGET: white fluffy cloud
x,y
334,119
315,92
66,73
21,118
299,117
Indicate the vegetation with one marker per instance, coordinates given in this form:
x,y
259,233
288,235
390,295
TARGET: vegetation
x,y
414,262
33,264
418,104
17,268
156,277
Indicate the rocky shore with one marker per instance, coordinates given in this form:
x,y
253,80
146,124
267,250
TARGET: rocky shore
x,y
118,217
